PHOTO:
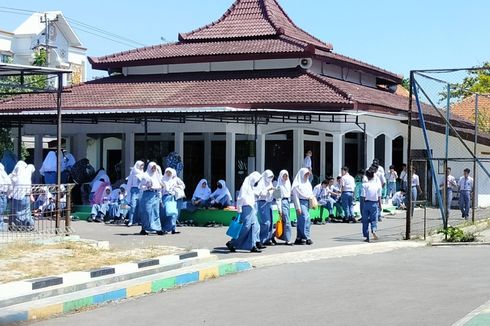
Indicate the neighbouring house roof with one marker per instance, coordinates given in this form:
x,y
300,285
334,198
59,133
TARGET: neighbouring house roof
x,y
466,107
250,29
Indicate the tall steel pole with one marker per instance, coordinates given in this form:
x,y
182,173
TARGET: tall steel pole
x,y
473,201
409,160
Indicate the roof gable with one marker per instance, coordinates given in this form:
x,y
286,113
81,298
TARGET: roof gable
x,y
251,19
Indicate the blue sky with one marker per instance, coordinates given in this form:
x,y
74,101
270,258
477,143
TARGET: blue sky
x,y
395,35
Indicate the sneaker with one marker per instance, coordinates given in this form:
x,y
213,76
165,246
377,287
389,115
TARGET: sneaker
x,y
309,242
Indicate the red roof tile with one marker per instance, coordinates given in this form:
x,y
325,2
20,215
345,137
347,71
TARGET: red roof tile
x,y
288,88
180,50
252,19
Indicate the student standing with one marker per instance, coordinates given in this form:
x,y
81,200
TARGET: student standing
x,y
392,176
371,192
465,187
169,212
347,186
284,186
264,206
21,178
248,216
302,191
450,183
134,180
149,205
5,188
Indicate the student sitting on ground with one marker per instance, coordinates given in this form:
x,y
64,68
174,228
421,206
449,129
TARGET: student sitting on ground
x,y
200,198
398,200
44,204
118,205
221,197
100,209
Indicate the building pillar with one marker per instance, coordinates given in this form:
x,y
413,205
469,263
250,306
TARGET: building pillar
x,y
323,160
38,157
298,150
260,153
337,153
79,149
405,150
230,161
207,156
388,152
179,147
369,150
128,152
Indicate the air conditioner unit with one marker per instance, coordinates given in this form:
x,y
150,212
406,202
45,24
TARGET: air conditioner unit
x,y
305,63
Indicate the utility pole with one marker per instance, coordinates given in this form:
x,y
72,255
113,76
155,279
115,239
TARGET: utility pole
x,y
47,32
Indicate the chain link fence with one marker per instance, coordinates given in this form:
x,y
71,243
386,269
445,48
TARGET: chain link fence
x,y
449,133
34,212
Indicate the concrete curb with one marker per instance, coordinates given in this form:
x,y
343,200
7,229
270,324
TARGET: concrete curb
x,y
115,292
459,244
479,226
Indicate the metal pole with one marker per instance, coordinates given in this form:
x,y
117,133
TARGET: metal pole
x,y
473,201
19,141
256,137
446,175
58,145
409,161
146,140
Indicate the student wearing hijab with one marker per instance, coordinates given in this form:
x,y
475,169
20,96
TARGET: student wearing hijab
x,y
200,198
9,160
67,163
134,180
179,194
44,202
264,206
5,188
149,204
169,212
101,206
245,203
49,168
221,197
21,178
98,181
284,186
302,192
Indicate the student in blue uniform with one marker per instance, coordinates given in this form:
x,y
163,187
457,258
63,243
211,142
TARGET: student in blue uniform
x,y
134,180
301,192
371,192
221,197
169,212
5,188
200,198
264,206
149,205
246,208
284,187
465,187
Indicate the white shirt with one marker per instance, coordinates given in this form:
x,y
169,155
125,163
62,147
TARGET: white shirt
x,y
403,175
307,162
415,180
465,184
371,190
392,176
451,182
347,183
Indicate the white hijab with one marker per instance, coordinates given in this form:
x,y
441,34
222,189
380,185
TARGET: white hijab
x,y
200,192
248,191
45,195
136,174
5,181
50,163
169,182
22,179
152,180
301,186
100,175
218,194
284,186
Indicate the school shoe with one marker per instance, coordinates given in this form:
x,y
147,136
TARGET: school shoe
x,y
287,243
161,232
299,242
309,242
255,249
143,232
366,240
353,220
260,245
175,232
230,247
269,243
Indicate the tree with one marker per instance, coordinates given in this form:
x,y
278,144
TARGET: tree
x,y
477,81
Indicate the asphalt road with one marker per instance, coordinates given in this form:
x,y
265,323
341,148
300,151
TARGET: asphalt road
x,y
421,286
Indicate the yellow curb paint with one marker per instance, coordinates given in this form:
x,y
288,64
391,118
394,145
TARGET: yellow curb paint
x,y
139,289
212,272
44,312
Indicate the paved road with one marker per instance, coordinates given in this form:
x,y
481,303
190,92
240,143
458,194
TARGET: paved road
x,y
329,235
422,286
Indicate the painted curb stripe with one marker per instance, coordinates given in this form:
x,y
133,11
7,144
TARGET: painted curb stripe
x,y
131,291
188,255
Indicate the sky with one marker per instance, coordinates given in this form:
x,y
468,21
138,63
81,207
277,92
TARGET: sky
x,y
398,36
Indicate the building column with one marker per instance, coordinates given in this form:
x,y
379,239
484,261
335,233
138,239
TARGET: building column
x,y
405,150
298,150
207,156
338,154
230,162
179,147
388,152
38,157
260,153
323,163
369,150
79,149
128,152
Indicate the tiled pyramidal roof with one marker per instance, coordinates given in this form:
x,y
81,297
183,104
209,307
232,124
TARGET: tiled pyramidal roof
x,y
252,19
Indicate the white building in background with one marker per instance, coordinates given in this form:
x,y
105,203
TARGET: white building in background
x,y
49,29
